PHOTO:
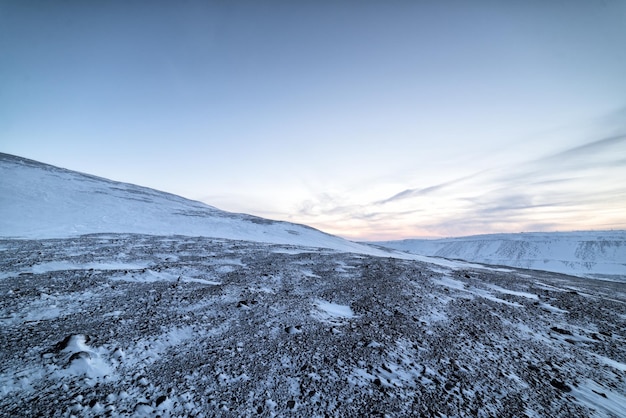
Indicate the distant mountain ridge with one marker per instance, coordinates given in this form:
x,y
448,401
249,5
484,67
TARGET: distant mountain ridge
x,y
39,201
597,254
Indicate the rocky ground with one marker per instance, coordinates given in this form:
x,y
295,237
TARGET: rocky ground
x,y
135,325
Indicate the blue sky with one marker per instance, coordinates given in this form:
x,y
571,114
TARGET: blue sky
x,y
371,120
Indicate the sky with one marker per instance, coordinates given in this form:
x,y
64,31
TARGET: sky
x,y
371,120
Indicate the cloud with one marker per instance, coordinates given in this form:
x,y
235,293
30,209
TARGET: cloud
x,y
571,164
326,204
427,190
575,188
588,148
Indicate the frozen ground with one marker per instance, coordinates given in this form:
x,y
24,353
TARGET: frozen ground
x,y
137,325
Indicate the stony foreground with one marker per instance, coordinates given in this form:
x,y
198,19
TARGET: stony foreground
x,y
132,325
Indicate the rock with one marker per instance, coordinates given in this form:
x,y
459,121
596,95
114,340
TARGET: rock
x,y
561,331
560,385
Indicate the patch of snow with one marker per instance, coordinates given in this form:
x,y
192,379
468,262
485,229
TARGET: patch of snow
x,y
548,307
451,283
147,276
513,292
611,363
202,281
459,285
605,402
85,360
334,309
66,265
492,298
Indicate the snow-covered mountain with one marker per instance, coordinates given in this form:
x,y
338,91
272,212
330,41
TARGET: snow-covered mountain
x,y
122,301
600,254
42,201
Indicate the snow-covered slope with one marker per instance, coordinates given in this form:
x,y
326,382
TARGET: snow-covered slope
x,y
156,324
42,201
588,253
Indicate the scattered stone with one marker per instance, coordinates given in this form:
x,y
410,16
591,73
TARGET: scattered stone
x,y
599,393
409,339
560,385
561,331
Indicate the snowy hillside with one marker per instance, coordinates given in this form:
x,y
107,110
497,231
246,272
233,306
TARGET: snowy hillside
x,y
122,301
600,254
42,201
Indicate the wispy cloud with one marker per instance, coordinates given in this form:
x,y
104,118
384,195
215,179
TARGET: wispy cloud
x,y
587,149
427,190
580,185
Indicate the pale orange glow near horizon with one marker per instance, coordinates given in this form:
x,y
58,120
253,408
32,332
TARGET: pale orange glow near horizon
x,y
371,120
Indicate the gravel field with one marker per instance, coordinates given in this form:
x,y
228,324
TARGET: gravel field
x,y
137,325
